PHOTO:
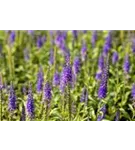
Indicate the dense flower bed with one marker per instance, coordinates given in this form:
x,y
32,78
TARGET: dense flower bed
x,y
67,75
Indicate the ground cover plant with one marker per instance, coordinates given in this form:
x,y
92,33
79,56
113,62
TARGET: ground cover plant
x,y
67,75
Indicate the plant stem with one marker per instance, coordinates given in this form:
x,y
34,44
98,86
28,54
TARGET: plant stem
x,y
11,115
62,103
69,101
41,113
46,111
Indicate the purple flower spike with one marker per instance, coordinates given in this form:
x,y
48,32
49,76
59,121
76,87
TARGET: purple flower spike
x,y
12,36
30,32
84,96
108,44
133,91
102,113
51,59
101,62
64,34
102,90
63,47
40,80
66,77
94,38
12,99
39,42
47,91
59,39
76,65
75,34
84,31
30,104
115,57
84,51
103,83
56,79
126,66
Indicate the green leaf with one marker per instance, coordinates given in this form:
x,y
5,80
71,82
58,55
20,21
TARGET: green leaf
x,y
132,109
106,120
125,114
